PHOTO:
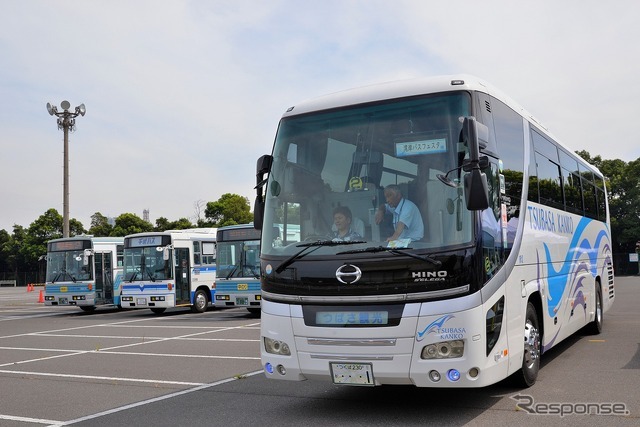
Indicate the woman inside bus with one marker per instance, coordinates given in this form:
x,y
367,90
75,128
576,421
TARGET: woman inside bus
x,y
342,220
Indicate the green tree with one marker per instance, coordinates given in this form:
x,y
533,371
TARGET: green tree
x,y
163,224
100,226
229,209
128,223
623,188
5,245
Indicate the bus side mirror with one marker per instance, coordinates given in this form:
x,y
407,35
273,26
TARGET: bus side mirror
x,y
263,167
475,181
85,256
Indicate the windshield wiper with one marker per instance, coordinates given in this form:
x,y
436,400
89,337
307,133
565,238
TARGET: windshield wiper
x,y
233,270
135,274
148,270
397,251
315,245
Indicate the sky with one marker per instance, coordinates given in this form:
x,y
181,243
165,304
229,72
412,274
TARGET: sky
x,y
182,97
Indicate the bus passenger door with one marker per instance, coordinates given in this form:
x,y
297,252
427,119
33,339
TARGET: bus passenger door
x,y
104,282
183,278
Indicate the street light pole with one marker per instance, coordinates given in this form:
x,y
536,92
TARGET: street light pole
x,y
66,122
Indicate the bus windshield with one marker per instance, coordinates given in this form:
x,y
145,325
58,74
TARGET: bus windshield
x,y
238,259
146,263
353,174
67,266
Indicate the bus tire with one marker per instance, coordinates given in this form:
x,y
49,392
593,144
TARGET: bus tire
x,y
158,310
595,327
200,302
88,308
528,374
254,311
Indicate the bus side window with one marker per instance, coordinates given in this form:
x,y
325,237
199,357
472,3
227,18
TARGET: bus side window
x,y
196,253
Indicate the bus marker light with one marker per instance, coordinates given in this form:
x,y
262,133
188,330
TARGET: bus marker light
x,y
434,376
281,370
170,286
473,372
453,375
268,367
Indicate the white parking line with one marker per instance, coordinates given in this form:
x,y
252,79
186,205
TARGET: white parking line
x,y
149,401
75,353
29,420
94,377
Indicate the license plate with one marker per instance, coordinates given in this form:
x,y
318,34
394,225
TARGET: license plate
x,y
63,301
141,301
242,301
352,373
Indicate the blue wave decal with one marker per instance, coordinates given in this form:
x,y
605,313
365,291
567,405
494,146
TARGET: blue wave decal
x,y
558,280
434,326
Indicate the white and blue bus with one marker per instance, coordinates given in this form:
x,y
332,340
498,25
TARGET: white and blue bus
x,y
84,271
483,241
238,267
168,269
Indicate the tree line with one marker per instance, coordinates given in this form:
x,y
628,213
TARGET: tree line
x,y
22,250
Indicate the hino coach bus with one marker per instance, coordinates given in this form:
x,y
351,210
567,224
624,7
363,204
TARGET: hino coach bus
x,y
170,269
84,271
238,267
476,240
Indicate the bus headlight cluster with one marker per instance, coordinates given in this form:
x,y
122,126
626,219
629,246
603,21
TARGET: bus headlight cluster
x,y
276,347
156,298
222,297
127,298
443,350
49,298
79,298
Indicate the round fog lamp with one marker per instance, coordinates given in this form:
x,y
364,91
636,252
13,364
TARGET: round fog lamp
x,y
453,375
434,376
281,370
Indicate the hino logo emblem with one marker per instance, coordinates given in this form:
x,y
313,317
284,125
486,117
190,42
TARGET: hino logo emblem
x,y
348,274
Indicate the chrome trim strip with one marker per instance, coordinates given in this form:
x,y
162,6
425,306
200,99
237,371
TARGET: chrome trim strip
x,y
364,299
354,357
352,342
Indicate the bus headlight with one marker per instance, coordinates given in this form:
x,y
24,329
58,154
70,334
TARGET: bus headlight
x,y
276,347
443,350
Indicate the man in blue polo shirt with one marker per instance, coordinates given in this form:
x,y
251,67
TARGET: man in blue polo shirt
x,y
407,221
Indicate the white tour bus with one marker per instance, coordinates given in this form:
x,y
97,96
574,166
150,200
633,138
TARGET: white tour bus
x,y
170,269
238,267
84,271
494,245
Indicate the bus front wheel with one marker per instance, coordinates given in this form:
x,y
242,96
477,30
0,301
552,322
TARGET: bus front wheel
x,y
528,374
200,302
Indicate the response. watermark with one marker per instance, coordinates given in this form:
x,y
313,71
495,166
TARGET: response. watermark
x,y
530,406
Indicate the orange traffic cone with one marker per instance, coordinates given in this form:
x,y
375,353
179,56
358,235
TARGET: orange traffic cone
x,y
41,297
29,287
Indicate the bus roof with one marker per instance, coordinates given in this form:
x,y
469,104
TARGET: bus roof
x,y
90,237
415,87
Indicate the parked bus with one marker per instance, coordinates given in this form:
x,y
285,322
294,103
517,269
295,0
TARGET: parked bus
x,y
170,269
483,241
84,271
238,267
